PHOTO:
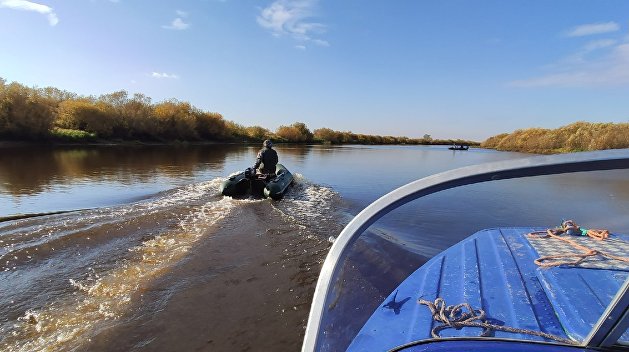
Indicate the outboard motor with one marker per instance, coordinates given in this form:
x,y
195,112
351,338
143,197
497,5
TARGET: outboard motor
x,y
250,172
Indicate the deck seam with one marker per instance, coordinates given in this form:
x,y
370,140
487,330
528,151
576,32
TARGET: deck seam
x,y
591,290
438,293
526,289
480,280
528,293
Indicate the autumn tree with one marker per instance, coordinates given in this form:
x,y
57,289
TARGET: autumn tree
x,y
137,120
328,135
86,116
210,125
175,120
24,112
297,132
258,133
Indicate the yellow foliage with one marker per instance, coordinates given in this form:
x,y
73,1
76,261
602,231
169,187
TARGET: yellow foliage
x,y
297,132
328,135
579,136
210,124
28,113
235,130
175,120
258,133
24,112
86,116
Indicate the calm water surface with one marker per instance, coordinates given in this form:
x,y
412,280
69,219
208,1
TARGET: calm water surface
x,y
153,237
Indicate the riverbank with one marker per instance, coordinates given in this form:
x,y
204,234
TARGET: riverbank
x,y
53,115
9,144
576,137
104,142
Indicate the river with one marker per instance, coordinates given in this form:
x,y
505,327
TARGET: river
x,y
152,257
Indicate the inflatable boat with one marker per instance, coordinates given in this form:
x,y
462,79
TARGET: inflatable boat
x,y
248,182
459,147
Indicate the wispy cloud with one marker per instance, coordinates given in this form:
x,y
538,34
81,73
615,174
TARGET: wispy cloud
x,y
178,23
321,42
586,50
599,44
593,28
292,18
602,62
160,75
610,70
31,6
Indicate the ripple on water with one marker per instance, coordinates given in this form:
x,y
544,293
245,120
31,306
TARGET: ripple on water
x,y
99,297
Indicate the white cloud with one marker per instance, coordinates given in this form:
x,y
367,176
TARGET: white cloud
x,y
610,70
300,47
581,56
321,42
32,6
178,23
291,18
160,75
599,44
593,28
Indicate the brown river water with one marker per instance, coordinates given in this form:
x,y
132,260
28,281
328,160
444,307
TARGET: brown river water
x,y
154,259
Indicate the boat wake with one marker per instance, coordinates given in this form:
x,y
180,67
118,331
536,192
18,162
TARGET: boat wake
x,y
89,265
74,275
312,206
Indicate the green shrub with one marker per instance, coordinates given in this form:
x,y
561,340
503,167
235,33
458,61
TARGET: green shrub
x,y
65,134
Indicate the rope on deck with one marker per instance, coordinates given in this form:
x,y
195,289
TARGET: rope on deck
x,y
569,227
463,315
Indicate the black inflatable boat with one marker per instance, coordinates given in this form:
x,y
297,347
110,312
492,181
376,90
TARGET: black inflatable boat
x,y
248,182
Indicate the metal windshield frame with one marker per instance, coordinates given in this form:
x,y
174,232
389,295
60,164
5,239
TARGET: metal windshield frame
x,y
502,170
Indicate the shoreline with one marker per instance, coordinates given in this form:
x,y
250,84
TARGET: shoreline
x,y
185,143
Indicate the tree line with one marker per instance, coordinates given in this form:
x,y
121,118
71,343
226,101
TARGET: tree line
x,y
52,114
575,137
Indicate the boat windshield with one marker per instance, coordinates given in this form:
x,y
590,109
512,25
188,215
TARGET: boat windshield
x,y
540,255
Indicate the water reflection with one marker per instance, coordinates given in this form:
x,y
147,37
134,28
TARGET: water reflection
x,y
27,172
298,152
40,179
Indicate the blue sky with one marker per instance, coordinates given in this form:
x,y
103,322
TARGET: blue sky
x,y
451,69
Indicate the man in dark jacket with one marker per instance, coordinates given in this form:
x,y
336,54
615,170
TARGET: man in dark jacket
x,y
267,158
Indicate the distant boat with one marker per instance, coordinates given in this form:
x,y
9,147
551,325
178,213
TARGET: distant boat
x,y
459,147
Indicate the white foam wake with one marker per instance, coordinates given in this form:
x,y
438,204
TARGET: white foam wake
x,y
103,297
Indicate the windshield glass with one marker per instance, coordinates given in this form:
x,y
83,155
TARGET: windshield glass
x,y
535,259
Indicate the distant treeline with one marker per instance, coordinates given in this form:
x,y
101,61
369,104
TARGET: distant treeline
x,y
51,114
576,137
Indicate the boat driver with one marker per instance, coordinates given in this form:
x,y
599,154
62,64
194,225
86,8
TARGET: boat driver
x,y
267,159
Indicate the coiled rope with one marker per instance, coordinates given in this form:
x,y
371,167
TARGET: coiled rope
x,y
570,227
463,315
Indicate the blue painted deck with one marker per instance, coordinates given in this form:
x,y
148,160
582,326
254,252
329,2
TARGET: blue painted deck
x,y
494,270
